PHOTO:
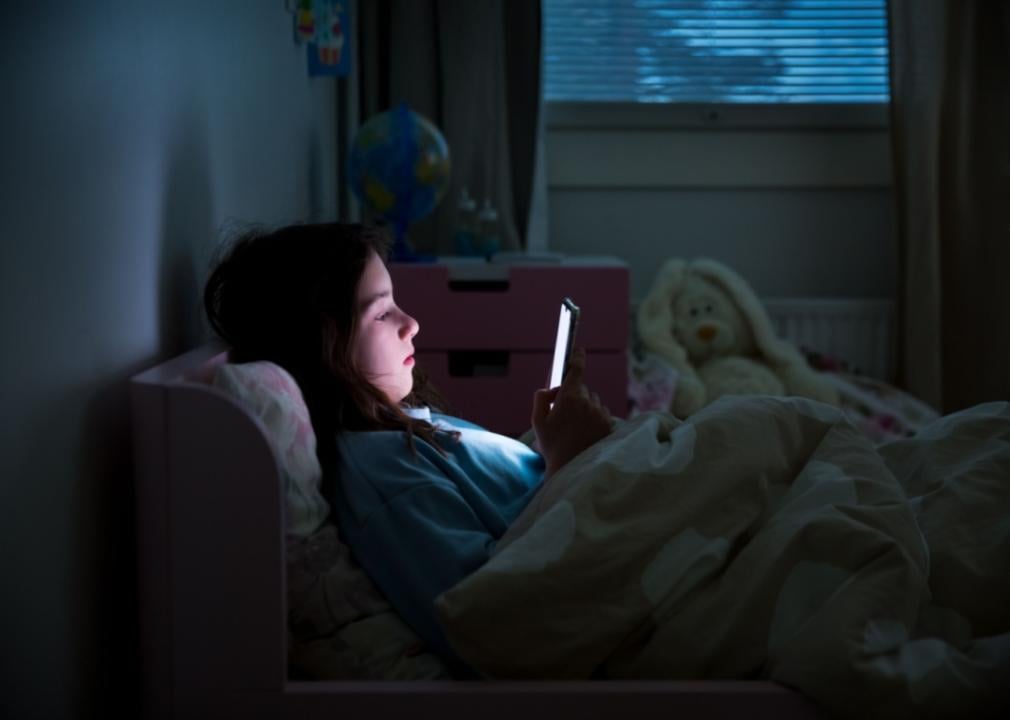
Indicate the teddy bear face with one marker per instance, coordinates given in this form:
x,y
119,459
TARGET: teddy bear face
x,y
707,323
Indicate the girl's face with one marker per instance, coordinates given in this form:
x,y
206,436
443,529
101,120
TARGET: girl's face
x,y
383,343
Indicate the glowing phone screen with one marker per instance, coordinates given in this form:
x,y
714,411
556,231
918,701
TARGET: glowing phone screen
x,y
563,342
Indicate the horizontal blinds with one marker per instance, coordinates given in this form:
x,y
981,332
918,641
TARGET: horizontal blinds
x,y
704,51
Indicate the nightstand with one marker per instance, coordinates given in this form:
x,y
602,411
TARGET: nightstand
x,y
487,330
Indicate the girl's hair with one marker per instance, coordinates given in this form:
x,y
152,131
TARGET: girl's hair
x,y
288,296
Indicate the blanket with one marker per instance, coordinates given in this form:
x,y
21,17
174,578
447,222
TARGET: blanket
x,y
763,538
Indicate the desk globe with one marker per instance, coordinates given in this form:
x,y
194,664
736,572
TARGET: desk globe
x,y
399,168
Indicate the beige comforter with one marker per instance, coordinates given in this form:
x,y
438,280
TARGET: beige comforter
x,y
763,538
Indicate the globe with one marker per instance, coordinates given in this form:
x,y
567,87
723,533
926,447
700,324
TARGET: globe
x,y
398,167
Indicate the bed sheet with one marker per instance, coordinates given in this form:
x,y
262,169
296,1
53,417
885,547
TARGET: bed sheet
x,y
876,408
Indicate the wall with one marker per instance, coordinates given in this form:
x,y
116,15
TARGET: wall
x,y
798,211
134,134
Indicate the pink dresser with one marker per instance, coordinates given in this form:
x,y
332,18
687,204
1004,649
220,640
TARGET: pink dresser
x,y
487,331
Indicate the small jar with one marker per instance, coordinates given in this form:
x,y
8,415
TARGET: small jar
x,y
487,223
465,238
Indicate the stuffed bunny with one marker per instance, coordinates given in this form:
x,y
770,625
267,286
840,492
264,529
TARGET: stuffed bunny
x,y
706,322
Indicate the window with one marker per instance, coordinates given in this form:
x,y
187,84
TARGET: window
x,y
717,52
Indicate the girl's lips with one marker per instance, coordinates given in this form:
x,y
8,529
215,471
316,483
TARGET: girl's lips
x,y
409,360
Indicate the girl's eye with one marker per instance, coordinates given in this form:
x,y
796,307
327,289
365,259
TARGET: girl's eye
x,y
383,316
708,308
694,312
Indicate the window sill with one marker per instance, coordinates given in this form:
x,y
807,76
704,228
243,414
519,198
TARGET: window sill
x,y
715,116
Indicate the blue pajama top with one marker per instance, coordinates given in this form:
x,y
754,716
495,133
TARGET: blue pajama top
x,y
420,524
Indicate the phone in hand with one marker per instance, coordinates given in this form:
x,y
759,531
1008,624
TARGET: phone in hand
x,y
564,342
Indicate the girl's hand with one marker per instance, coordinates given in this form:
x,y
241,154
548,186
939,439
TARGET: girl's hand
x,y
576,421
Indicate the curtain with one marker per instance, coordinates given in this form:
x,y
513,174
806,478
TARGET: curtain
x,y
473,69
950,124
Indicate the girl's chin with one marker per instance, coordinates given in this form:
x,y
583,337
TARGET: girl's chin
x,y
399,394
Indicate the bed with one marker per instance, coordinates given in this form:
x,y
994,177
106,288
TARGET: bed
x,y
214,555
212,589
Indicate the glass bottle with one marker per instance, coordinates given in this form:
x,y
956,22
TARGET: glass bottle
x,y
465,237
487,224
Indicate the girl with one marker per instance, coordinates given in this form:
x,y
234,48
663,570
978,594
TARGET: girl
x,y
420,497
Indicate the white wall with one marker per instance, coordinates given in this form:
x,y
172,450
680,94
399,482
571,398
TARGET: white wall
x,y
132,133
796,212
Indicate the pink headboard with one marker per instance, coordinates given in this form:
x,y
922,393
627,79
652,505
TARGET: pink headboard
x,y
210,549
210,541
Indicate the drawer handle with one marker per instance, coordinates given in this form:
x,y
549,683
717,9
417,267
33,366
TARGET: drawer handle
x,y
478,363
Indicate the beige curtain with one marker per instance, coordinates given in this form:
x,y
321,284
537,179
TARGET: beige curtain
x,y
472,68
950,85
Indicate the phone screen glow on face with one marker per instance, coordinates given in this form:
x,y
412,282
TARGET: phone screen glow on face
x,y
558,365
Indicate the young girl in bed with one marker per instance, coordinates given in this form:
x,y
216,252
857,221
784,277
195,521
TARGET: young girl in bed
x,y
420,497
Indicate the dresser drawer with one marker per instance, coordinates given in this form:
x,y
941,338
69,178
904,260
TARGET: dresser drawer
x,y
518,312
498,391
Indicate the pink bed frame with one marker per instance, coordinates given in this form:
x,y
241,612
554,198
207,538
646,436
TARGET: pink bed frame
x,y
210,535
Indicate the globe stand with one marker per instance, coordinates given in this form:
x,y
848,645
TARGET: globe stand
x,y
403,254
401,251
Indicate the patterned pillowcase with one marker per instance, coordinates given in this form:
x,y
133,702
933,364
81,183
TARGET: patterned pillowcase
x,y
270,392
339,624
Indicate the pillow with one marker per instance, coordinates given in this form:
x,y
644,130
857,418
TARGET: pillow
x,y
339,624
270,393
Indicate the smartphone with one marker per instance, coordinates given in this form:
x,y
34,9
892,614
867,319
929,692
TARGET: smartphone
x,y
567,324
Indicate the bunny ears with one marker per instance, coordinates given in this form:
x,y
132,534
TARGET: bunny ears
x,y
655,315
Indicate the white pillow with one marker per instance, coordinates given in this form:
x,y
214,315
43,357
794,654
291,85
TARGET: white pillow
x,y
269,391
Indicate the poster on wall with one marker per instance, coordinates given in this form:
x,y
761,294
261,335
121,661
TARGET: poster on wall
x,y
324,27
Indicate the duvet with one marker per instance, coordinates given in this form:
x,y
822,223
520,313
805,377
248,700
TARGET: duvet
x,y
764,538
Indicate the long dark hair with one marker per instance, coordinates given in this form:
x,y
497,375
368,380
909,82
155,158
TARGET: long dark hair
x,y
288,296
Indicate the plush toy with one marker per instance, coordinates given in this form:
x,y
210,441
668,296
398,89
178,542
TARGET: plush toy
x,y
706,322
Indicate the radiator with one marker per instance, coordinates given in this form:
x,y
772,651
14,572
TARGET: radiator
x,y
859,332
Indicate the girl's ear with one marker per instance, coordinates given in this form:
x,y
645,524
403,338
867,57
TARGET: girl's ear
x,y
655,319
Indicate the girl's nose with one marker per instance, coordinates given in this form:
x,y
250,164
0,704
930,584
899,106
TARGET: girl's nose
x,y
410,326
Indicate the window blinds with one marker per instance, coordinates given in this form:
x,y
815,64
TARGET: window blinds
x,y
716,51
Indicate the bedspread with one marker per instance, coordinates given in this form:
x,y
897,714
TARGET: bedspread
x,y
763,538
